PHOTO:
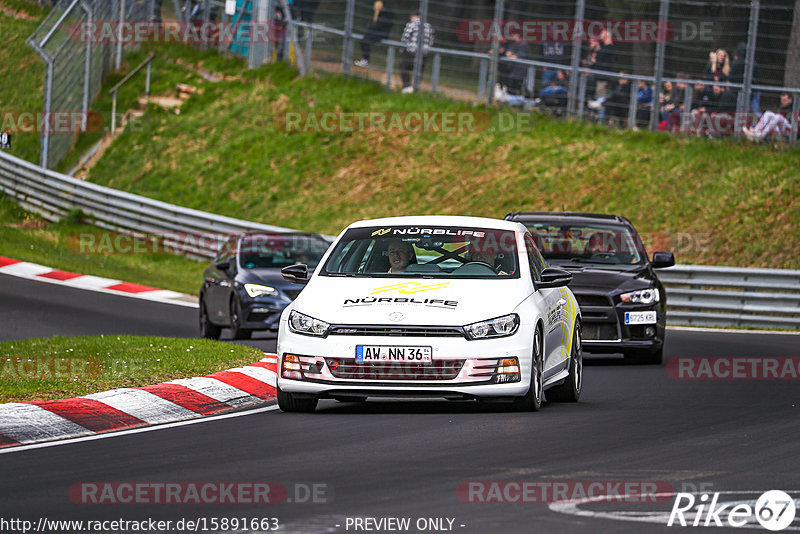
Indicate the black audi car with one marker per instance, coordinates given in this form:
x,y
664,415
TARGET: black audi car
x,y
623,303
243,288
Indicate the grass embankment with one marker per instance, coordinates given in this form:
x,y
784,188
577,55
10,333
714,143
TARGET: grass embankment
x,y
60,367
713,202
29,238
21,71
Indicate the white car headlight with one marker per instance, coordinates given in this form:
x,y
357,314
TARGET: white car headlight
x,y
300,323
256,290
499,327
643,296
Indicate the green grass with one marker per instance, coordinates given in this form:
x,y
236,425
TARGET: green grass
x,y
21,73
712,202
60,367
29,238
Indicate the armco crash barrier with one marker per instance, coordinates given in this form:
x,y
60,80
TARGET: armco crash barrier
x,y
697,295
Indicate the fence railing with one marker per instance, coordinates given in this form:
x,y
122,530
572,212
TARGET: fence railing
x,y
762,33
731,296
75,65
697,295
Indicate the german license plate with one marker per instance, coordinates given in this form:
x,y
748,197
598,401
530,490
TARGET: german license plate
x,y
390,353
645,317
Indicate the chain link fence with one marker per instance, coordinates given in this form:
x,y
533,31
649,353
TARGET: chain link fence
x,y
703,67
75,65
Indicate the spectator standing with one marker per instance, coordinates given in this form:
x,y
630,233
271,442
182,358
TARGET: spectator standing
x,y
378,29
718,67
553,51
410,40
515,72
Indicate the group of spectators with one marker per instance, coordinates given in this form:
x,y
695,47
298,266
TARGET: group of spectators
x,y
710,111
712,102
379,28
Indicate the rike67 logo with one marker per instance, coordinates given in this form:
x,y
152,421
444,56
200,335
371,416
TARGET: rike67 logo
x,y
774,510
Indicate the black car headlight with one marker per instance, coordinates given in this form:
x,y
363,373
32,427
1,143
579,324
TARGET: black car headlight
x,y
299,323
503,326
257,290
642,296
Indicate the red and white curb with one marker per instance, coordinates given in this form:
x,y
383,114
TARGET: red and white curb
x,y
253,385
34,271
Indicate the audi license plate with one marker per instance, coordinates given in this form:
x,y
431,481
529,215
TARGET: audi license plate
x,y
645,317
390,353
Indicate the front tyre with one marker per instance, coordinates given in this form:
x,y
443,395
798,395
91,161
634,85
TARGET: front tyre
x,y
237,332
570,390
290,403
532,401
208,330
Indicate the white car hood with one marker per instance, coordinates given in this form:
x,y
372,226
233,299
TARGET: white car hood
x,y
404,301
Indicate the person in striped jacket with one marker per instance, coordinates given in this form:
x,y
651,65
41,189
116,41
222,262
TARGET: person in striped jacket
x,y
410,41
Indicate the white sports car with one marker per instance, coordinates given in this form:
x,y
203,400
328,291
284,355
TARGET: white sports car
x,y
430,306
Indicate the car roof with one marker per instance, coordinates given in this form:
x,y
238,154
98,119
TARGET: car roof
x,y
312,235
566,217
442,220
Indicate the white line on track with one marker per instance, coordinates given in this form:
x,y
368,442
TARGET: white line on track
x,y
212,418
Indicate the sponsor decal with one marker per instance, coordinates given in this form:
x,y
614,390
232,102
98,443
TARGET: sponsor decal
x,y
410,287
382,231
369,301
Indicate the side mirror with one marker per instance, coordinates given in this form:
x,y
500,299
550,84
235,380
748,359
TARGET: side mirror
x,y
297,274
223,265
662,259
553,277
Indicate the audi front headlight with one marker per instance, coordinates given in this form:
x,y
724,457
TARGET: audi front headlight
x,y
300,323
643,296
503,326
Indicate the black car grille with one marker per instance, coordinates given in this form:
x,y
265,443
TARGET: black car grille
x,y
257,317
436,370
396,331
292,293
599,331
592,300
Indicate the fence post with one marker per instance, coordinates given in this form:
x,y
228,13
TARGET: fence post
x,y
309,40
87,70
482,73
437,65
584,79
121,13
389,66
658,67
499,7
347,48
257,52
178,12
419,57
688,95
632,105
530,83
269,19
750,60
580,8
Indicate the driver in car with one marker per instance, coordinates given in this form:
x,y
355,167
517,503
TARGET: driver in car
x,y
401,254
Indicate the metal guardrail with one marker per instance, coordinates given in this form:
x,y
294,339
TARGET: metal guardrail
x,y
732,296
53,195
697,295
